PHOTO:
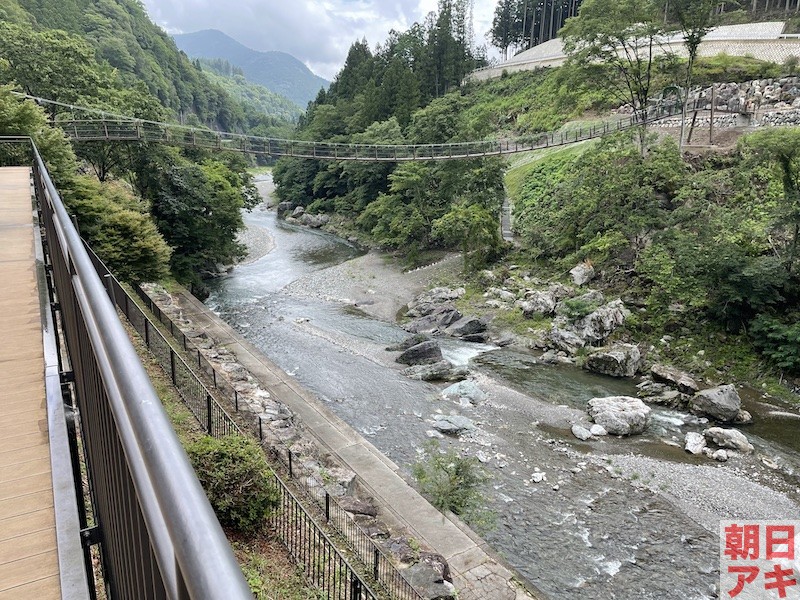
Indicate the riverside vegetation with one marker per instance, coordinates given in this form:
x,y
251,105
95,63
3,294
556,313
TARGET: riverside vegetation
x,y
701,247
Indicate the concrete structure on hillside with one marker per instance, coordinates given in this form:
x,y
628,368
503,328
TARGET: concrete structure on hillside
x,y
764,41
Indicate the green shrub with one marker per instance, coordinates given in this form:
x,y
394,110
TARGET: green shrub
x,y
778,341
237,481
577,308
450,481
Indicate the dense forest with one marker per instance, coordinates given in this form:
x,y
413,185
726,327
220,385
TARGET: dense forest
x,y
706,246
147,209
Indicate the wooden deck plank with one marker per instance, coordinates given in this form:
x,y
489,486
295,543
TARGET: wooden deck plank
x,y
28,557
26,468
27,523
20,505
28,570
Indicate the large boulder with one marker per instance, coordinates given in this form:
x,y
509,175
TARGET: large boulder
x,y
674,377
467,326
409,342
437,319
602,322
694,442
537,303
452,424
582,273
465,391
314,221
422,354
620,360
590,330
620,415
429,301
728,438
721,403
438,371
565,339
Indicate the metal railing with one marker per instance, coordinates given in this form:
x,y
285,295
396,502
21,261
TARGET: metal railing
x,y
371,558
157,534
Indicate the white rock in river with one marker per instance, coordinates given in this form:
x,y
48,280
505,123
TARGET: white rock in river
x,y
467,390
454,424
581,432
694,442
598,430
728,438
620,415
720,455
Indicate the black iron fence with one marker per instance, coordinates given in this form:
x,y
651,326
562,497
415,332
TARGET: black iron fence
x,y
157,534
372,559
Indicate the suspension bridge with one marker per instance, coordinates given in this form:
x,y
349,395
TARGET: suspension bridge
x,y
109,127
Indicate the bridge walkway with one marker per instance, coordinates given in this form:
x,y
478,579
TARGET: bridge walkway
x,y
29,566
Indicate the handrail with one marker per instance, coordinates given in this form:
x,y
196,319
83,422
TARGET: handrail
x,y
180,551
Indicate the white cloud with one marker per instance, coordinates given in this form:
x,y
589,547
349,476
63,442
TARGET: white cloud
x,y
317,32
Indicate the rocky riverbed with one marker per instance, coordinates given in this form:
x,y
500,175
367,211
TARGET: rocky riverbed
x,y
608,517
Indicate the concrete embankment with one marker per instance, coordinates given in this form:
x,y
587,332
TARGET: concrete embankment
x,y
477,573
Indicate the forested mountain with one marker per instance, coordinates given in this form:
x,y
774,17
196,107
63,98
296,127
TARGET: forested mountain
x,y
123,36
407,91
146,208
279,72
708,247
258,97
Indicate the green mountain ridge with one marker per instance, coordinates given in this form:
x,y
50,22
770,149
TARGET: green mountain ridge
x,y
232,79
279,72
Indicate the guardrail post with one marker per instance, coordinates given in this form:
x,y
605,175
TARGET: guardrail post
x,y
209,400
375,555
172,365
214,376
147,333
260,430
236,399
327,506
289,452
355,588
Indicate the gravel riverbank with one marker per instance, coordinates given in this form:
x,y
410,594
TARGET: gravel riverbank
x,y
629,517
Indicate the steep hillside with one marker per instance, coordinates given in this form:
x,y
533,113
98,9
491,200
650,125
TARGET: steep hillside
x,y
122,35
261,99
277,71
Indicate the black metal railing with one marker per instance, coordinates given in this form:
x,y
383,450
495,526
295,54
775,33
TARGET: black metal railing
x,y
157,534
203,403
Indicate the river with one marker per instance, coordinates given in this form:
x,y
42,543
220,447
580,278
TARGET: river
x,y
615,518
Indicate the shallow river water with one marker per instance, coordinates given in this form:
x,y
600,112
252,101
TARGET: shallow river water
x,y
616,518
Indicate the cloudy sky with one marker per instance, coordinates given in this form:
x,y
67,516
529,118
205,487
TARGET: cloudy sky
x,y
318,32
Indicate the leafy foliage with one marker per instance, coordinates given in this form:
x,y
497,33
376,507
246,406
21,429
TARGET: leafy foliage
x,y
255,98
450,481
237,481
118,228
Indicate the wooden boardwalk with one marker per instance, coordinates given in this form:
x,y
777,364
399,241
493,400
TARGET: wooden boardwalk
x,y
28,556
